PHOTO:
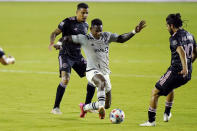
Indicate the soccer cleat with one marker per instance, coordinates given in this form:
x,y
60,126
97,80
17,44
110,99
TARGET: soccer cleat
x,y
166,118
101,111
83,113
148,124
56,111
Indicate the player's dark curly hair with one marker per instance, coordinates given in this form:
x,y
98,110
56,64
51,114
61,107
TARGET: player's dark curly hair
x,y
96,21
82,5
174,19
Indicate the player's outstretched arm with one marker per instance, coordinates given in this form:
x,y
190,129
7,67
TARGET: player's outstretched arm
x,y
194,56
125,37
183,58
76,39
62,41
53,35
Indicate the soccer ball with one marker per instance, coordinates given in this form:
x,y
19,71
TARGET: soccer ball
x,y
117,116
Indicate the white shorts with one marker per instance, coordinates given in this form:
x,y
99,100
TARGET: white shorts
x,y
92,73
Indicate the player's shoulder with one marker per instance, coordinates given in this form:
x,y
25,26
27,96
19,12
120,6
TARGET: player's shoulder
x,y
69,19
183,35
73,18
106,34
177,36
190,36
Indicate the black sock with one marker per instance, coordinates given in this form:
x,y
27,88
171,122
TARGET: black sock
x,y
90,93
168,107
59,95
151,114
167,110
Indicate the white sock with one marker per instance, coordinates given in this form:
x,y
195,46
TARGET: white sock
x,y
91,106
101,98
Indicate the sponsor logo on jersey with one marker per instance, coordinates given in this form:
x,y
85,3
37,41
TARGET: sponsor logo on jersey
x,y
102,50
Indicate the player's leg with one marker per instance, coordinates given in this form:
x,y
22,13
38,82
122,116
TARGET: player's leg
x,y
97,79
108,100
153,105
90,93
179,81
168,106
108,92
6,60
152,108
162,87
65,70
80,69
101,84
65,77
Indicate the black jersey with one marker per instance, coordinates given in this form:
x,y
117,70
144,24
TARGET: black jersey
x,y
70,26
187,41
1,53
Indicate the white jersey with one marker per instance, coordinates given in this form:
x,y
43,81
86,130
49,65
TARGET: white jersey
x,y
96,50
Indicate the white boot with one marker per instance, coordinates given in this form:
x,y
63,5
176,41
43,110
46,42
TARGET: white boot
x,y
148,124
166,118
56,111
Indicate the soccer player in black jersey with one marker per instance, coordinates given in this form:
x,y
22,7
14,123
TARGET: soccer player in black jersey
x,y
6,60
183,53
70,56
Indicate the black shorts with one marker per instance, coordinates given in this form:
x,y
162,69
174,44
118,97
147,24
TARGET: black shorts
x,y
169,81
1,53
65,64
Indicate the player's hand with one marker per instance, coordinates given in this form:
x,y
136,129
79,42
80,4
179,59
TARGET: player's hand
x,y
50,46
57,46
184,72
140,26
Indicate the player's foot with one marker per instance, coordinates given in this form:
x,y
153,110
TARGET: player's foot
x,y
148,124
166,117
101,111
56,111
83,113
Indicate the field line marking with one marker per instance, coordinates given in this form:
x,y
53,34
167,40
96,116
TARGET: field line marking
x,y
56,73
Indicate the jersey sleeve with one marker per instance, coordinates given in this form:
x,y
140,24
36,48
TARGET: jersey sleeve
x,y
113,37
81,39
63,24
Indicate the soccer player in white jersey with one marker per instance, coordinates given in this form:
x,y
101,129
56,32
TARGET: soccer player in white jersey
x,y
96,48
6,60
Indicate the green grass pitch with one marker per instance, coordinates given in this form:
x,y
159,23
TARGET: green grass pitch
x,y
27,89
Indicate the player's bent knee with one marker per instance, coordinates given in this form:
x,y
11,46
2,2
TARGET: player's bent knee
x,y
155,92
65,80
99,81
103,84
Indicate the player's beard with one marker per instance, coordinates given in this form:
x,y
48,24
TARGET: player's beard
x,y
171,32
